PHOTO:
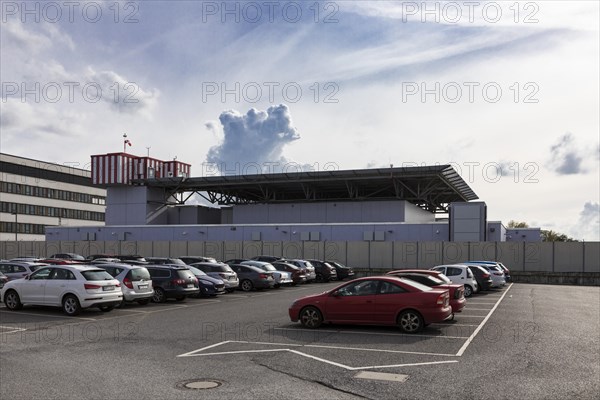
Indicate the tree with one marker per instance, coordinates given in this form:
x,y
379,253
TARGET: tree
x,y
515,224
552,236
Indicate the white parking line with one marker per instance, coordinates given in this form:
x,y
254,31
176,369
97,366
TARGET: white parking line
x,y
470,339
14,329
472,316
476,309
450,324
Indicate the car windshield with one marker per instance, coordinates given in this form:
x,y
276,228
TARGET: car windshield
x,y
96,275
196,271
223,268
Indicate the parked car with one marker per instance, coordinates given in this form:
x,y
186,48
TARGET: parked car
x,y
456,291
482,276
136,282
494,263
436,274
236,261
107,260
96,256
189,260
324,271
309,269
165,261
3,280
297,273
280,277
253,277
379,300
26,259
172,282
19,269
461,274
268,259
136,258
496,273
209,286
220,271
72,287
68,256
342,271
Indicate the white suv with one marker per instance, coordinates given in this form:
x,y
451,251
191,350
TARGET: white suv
x,y
460,274
72,287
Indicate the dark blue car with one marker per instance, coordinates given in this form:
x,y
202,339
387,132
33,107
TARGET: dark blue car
x,y
209,286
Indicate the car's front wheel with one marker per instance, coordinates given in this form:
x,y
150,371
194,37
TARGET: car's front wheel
x,y
311,317
12,301
71,305
410,321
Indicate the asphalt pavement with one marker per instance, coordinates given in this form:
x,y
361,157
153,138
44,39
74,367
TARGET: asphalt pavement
x,y
523,341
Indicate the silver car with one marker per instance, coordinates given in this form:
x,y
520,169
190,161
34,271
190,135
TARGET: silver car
x,y
19,269
281,277
136,282
311,275
220,271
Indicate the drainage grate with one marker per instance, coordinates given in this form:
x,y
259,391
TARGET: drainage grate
x,y
198,384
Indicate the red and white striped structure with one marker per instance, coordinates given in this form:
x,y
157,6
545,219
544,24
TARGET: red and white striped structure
x,y
123,168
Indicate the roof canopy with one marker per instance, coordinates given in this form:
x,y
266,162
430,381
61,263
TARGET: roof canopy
x,y
429,187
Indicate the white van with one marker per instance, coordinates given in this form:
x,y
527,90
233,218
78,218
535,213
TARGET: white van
x,y
460,274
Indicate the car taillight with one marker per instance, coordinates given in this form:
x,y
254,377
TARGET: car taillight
x,y
127,282
498,273
263,276
88,286
442,299
486,275
178,282
458,293
223,275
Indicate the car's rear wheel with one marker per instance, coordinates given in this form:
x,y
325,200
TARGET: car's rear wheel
x,y
159,296
106,308
143,302
320,278
410,321
246,285
71,306
311,317
12,301
468,290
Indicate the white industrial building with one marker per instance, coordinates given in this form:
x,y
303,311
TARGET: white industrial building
x,y
146,201
35,195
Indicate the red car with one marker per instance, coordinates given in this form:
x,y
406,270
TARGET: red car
x,y
376,300
457,291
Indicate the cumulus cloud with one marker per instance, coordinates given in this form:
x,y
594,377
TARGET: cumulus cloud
x,y
123,95
253,142
588,225
566,159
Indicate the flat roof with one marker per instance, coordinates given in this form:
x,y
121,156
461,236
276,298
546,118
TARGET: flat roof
x,y
429,187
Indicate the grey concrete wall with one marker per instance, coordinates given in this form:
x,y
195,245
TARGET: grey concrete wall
x,y
547,257
329,212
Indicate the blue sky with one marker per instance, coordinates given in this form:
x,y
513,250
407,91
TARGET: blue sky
x,y
380,84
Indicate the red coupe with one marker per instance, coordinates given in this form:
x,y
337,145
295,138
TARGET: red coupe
x,y
376,300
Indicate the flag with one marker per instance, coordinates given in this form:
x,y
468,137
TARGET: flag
x,y
128,142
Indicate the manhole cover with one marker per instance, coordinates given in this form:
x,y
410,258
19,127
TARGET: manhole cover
x,y
199,384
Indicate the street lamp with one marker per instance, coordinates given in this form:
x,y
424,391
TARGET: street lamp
x,y
16,225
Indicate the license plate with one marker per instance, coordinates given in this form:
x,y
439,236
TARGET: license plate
x,y
190,285
143,287
107,288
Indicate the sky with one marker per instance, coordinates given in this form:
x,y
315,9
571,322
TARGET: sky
x,y
506,92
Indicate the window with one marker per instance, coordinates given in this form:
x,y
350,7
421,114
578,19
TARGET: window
x,y
62,274
159,273
96,275
361,288
41,274
390,288
451,271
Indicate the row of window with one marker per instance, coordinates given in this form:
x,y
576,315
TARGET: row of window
x,y
11,227
36,191
29,209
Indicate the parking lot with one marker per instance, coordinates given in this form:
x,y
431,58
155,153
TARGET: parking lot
x,y
531,341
